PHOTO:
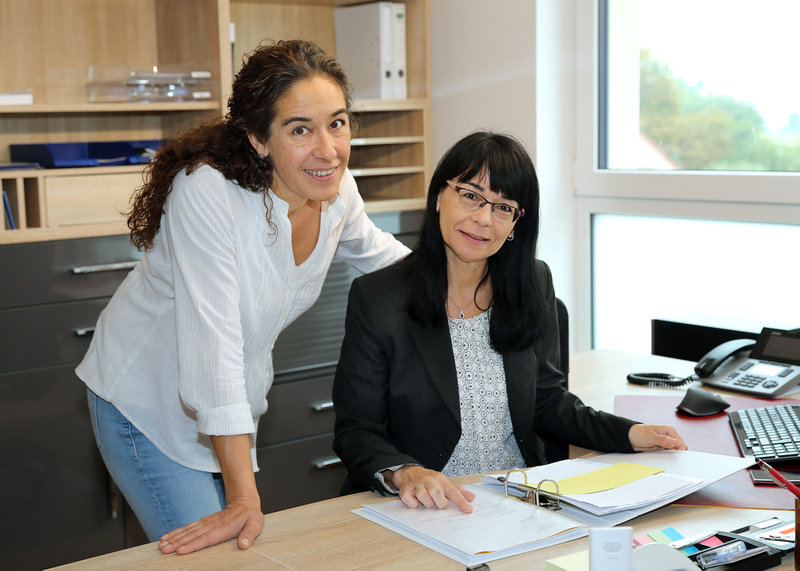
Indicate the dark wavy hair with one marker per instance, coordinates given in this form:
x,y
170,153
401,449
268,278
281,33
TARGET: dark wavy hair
x,y
516,300
269,72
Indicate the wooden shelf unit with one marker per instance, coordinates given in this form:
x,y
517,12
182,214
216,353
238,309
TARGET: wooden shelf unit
x,y
50,46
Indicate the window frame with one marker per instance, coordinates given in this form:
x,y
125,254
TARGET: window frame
x,y
717,195
723,186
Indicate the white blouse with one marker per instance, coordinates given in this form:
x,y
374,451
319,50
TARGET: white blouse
x,y
487,441
184,347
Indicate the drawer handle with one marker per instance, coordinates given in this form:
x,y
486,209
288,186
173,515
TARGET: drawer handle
x,y
105,267
320,406
323,463
84,331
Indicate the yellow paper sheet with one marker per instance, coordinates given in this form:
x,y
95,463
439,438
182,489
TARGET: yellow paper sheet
x,y
603,479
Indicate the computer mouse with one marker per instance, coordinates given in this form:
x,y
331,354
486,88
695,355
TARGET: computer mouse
x,y
699,402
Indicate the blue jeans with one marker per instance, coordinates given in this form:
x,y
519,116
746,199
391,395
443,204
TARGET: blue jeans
x,y
164,495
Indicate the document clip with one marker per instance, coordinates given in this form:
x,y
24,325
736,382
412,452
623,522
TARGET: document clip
x,y
535,494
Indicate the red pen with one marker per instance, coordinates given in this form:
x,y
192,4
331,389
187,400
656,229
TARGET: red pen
x,y
776,477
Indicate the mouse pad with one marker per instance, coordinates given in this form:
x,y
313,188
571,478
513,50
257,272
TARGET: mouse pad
x,y
710,434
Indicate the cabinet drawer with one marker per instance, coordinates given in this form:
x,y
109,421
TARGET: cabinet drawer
x,y
89,199
47,335
296,410
54,481
290,477
44,272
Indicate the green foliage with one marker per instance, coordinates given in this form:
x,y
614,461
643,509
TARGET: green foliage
x,y
708,132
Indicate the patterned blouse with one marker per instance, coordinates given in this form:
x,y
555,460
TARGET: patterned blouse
x,y
487,437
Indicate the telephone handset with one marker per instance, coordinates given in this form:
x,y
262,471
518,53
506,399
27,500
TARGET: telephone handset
x,y
770,369
713,359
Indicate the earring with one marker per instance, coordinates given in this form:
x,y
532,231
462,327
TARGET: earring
x,y
510,237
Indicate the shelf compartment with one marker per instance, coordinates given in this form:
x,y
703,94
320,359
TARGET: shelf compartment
x,y
387,156
391,183
92,127
396,123
22,190
15,202
74,200
45,199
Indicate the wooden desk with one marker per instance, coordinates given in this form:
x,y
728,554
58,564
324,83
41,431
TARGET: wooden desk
x,y
325,535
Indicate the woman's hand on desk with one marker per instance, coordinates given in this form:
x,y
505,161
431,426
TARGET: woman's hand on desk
x,y
418,485
242,517
645,437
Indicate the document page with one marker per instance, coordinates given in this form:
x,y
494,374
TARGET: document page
x,y
702,465
496,524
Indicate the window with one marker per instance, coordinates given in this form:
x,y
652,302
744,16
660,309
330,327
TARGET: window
x,y
612,125
658,267
700,85
612,179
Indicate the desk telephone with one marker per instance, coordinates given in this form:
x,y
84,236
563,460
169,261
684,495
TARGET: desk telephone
x,y
770,368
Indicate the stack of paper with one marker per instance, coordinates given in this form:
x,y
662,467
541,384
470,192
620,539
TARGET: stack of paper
x,y
497,527
600,489
500,526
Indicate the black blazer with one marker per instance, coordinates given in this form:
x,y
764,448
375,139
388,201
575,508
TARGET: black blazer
x,y
396,394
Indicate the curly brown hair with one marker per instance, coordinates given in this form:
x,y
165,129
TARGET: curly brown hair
x,y
269,72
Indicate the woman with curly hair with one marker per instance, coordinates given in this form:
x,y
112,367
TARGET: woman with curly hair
x,y
239,219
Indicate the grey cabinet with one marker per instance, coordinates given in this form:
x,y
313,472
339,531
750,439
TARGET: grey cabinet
x,y
59,504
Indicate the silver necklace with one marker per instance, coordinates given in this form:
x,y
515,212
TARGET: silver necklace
x,y
461,311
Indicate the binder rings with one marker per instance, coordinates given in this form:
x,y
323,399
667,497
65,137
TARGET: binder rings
x,y
371,46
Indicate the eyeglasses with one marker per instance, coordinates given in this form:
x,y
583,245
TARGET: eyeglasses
x,y
471,200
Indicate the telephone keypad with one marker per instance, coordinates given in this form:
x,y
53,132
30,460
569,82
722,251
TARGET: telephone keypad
x,y
749,381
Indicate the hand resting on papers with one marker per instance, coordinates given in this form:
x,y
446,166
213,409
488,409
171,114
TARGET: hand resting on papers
x,y
646,437
418,485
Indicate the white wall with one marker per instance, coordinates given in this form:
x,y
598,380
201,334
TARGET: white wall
x,y
484,60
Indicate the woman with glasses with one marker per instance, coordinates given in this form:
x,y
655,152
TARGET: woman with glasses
x,y
449,364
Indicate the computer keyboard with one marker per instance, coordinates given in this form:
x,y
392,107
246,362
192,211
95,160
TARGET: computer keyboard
x,y
771,433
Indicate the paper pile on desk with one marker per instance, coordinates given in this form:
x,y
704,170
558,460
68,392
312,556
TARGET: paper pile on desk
x,y
482,536
684,472
497,527
652,487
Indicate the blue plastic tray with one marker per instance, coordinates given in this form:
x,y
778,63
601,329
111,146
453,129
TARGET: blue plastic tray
x,y
65,155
